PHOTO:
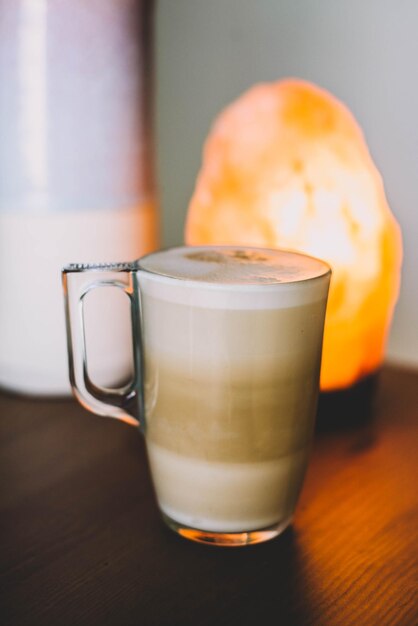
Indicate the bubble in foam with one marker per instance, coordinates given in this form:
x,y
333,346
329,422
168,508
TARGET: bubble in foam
x,y
227,265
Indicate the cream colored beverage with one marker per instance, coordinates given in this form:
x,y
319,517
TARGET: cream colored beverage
x,y
232,357
230,343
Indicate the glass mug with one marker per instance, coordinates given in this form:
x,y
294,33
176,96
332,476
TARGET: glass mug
x,y
227,346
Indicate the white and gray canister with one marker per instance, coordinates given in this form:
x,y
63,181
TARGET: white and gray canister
x,y
76,173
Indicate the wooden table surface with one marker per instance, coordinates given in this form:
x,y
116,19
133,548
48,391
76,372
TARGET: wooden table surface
x,y
82,542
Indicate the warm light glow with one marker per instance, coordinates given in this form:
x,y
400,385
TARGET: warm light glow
x,y
286,165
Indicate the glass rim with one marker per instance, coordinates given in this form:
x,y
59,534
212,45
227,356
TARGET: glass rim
x,y
135,266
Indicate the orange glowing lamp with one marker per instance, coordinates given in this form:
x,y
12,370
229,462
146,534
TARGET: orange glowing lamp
x,y
287,166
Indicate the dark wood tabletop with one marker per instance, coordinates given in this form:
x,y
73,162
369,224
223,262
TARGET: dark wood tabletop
x,y
82,542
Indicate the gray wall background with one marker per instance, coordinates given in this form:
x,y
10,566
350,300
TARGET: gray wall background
x,y
364,51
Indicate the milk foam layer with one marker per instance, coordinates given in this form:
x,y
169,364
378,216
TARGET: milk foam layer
x,y
233,277
226,265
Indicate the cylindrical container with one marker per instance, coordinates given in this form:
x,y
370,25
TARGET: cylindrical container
x,y
76,171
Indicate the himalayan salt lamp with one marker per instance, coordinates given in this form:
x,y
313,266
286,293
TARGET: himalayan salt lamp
x,y
286,165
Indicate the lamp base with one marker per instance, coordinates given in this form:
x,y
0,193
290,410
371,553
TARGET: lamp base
x,y
347,408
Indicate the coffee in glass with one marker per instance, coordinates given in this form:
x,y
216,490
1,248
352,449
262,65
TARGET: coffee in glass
x,y
227,344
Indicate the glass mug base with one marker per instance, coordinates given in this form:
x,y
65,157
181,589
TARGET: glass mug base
x,y
228,539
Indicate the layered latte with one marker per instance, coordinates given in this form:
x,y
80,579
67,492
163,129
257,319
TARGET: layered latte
x,y
232,348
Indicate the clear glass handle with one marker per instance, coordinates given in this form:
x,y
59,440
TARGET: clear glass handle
x,y
125,403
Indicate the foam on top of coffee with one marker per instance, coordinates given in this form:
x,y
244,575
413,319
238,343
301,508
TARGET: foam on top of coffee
x,y
233,265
